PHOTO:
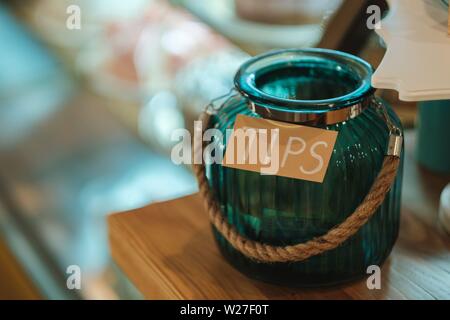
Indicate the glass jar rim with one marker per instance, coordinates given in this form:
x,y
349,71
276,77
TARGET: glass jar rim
x,y
245,80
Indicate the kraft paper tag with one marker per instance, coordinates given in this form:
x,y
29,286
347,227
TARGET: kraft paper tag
x,y
277,148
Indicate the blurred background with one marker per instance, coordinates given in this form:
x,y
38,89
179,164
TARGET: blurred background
x,y
86,115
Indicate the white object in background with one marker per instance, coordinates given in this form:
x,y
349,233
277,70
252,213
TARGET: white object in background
x,y
417,61
444,210
221,16
285,11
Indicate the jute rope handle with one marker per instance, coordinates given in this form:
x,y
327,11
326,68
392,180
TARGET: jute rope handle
x,y
299,252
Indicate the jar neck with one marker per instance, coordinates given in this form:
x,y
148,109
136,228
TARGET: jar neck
x,y
314,86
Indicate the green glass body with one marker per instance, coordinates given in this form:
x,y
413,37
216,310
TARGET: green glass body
x,y
284,211
433,147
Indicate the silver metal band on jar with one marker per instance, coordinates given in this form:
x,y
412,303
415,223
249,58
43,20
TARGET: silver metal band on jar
x,y
318,118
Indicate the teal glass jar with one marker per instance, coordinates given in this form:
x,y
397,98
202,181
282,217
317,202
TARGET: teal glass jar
x,y
324,89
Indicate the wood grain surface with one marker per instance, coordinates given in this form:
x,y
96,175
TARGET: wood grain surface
x,y
15,284
168,252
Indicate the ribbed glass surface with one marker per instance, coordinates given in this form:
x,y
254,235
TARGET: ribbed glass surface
x,y
284,211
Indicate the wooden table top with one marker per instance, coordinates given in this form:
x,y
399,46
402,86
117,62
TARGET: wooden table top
x,y
168,252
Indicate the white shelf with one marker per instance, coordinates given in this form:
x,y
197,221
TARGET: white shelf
x,y
417,61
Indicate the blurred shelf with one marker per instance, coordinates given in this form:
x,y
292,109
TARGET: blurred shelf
x,y
189,265
66,162
417,61
64,177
